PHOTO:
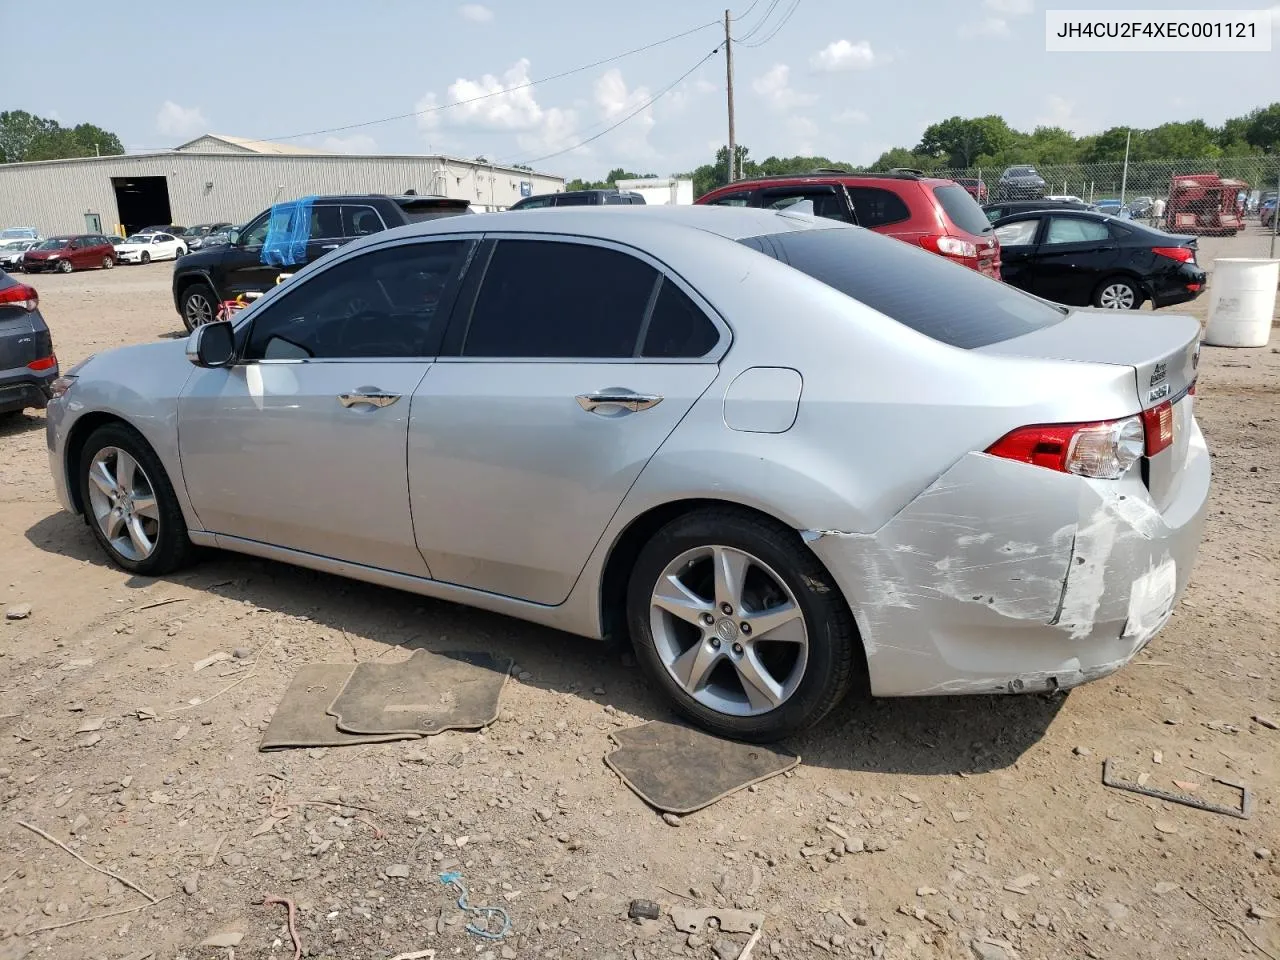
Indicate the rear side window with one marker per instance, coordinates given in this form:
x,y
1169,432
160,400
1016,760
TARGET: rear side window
x,y
573,200
962,209
547,299
419,212
944,301
878,208
677,328
357,221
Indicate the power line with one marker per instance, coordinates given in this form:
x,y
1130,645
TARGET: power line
x,y
746,13
782,23
773,5
640,109
495,93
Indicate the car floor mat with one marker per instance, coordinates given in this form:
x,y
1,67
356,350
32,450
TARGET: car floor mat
x,y
300,719
677,769
424,695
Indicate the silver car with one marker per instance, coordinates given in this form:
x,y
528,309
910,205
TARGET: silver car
x,y
787,456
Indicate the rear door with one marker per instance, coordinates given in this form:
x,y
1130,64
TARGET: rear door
x,y
567,363
1074,255
1017,253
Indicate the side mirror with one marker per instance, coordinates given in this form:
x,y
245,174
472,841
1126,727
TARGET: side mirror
x,y
233,238
212,344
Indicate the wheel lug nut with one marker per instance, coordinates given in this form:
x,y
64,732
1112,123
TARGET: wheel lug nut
x,y
746,629
737,649
708,619
726,609
715,643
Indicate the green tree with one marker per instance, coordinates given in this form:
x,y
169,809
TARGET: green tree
x,y
1263,131
902,157
959,141
24,136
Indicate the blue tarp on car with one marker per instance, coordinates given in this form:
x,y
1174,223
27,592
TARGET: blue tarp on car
x,y
288,231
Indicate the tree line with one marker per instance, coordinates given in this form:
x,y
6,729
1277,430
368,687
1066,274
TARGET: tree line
x,y
990,143
25,136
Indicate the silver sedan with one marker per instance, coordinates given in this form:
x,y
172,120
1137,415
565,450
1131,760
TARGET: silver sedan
x,y
787,456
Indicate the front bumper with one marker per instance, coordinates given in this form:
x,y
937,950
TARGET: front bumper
x,y
1003,577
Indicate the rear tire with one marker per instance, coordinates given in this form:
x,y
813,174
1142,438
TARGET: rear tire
x,y
151,503
807,660
1117,293
199,305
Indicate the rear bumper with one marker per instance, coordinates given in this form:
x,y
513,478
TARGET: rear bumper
x,y
1008,578
22,390
1176,286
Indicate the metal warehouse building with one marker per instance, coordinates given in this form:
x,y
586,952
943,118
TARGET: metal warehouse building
x,y
216,179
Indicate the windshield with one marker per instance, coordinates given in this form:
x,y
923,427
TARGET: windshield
x,y
1022,172
962,209
55,244
138,238
942,300
14,244
23,233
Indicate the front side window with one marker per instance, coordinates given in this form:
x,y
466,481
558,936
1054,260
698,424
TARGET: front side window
x,y
878,208
827,202
732,200
1019,234
548,299
386,303
1073,230
256,234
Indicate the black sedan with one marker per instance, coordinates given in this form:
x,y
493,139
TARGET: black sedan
x,y
1080,259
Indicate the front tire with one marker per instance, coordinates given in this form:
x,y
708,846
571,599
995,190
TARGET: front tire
x,y
108,263
1117,293
129,503
198,305
146,257
64,266
741,625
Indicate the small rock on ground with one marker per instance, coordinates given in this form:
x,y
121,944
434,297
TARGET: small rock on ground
x,y
19,611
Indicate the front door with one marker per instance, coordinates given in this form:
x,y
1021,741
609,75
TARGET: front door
x,y
1075,254
242,268
577,362
301,444
829,200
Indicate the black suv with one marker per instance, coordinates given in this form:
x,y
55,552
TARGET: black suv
x,y
1020,183
579,198
204,278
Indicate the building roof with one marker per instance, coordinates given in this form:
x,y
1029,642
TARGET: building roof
x,y
247,145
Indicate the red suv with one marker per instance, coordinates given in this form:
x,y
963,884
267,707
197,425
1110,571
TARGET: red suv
x,y
80,252
938,215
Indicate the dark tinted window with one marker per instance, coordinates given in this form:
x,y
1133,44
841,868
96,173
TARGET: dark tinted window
x,y
421,211
677,328
827,202
358,221
616,199
547,299
878,208
385,303
942,300
573,200
732,200
962,209
533,202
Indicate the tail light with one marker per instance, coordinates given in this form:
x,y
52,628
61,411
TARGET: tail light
x,y
1158,425
44,363
1181,254
950,246
20,295
1103,451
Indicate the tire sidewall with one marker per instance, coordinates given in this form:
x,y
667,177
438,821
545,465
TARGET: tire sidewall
x,y
173,543
196,288
1114,281
815,595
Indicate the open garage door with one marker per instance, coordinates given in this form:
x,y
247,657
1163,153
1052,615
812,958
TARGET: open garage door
x,y
142,202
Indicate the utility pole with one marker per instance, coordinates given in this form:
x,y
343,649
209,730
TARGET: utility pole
x,y
1124,174
728,69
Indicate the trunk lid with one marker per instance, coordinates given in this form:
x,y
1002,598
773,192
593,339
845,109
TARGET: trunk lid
x,y
1164,354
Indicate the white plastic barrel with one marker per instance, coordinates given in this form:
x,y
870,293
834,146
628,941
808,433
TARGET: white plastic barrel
x,y
1242,301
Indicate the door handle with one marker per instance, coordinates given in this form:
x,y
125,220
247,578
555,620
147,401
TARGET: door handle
x,y
330,246
635,402
367,399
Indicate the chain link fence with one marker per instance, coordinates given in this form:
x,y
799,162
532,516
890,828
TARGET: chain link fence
x,y
1142,178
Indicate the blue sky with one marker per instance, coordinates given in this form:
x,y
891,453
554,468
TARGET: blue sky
x,y
840,78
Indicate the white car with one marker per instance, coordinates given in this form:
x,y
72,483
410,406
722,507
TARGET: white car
x,y
11,252
145,247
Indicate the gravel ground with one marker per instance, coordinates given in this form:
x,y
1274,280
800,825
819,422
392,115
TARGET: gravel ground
x,y
940,828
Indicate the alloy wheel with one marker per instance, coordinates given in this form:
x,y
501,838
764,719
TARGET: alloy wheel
x,y
198,310
1117,296
729,631
123,501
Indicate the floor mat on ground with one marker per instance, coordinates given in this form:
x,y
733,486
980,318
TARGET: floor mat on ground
x,y
301,721
677,769
426,694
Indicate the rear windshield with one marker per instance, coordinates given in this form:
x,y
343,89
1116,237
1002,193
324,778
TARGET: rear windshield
x,y
421,210
945,301
962,209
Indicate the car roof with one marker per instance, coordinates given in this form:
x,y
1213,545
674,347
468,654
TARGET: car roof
x,y
827,176
1070,212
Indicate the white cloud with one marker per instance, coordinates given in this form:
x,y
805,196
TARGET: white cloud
x,y
843,55
775,87
177,121
1061,112
360,143
475,13
506,105
851,116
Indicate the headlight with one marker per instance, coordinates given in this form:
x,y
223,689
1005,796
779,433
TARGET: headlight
x,y
60,386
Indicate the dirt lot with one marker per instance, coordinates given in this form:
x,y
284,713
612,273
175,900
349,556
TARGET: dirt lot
x,y
987,828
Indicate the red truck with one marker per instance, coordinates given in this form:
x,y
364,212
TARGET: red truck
x,y
1204,203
